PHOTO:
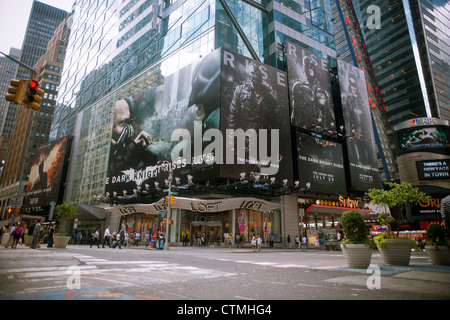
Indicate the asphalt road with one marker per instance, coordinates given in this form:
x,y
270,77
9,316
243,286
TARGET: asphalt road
x,y
211,274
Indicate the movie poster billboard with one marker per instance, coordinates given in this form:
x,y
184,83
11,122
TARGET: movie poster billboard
x,y
320,165
361,145
163,127
254,120
423,135
46,173
310,90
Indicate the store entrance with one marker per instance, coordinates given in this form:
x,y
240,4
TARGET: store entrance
x,y
206,233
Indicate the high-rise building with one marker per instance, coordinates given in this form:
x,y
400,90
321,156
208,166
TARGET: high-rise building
x,y
32,127
157,61
43,21
144,81
8,70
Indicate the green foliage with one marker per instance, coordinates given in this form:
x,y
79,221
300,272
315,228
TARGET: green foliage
x,y
31,229
62,234
397,194
436,235
354,228
66,211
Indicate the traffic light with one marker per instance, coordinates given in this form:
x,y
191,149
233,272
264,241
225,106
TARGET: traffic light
x,y
172,200
166,200
11,210
33,95
16,89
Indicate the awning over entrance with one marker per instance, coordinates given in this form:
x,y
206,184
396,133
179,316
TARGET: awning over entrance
x,y
198,205
330,210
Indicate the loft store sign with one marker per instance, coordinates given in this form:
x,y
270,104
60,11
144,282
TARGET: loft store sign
x,y
199,205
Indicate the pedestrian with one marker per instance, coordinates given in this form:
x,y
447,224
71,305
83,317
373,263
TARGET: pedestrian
x,y
51,233
17,235
147,239
289,240
126,238
258,243
106,237
230,240
272,240
238,240
254,244
36,235
95,236
297,242
185,239
317,245
79,237
137,237
304,242
121,237
11,235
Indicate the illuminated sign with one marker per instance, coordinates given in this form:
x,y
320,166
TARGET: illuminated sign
x,y
433,169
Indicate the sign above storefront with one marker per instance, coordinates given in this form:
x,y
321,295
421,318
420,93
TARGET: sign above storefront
x,y
198,205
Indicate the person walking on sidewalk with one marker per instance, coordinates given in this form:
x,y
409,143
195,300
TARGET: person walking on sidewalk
x,y
17,235
258,243
36,234
11,236
106,237
95,236
51,233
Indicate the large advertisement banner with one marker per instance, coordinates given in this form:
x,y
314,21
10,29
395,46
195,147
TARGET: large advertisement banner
x,y
320,165
46,173
310,90
162,128
427,138
358,124
254,120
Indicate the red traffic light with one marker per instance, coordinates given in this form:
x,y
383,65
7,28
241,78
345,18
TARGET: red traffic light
x,y
34,84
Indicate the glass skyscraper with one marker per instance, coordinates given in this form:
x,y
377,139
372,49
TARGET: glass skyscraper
x,y
117,49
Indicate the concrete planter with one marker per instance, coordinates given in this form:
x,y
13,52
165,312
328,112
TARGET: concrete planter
x,y
28,240
439,255
60,241
358,256
397,252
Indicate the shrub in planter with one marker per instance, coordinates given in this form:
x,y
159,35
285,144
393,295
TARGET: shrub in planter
x,y
437,246
356,246
395,250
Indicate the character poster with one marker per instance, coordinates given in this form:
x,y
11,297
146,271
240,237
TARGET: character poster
x,y
254,109
163,128
310,90
320,165
46,173
361,143
430,138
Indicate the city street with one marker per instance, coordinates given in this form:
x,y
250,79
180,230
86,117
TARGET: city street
x,y
191,273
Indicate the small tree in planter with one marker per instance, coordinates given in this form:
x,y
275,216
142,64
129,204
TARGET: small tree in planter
x,y
437,246
64,212
395,250
356,246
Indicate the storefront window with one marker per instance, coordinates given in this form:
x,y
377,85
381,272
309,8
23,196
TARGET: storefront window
x,y
251,223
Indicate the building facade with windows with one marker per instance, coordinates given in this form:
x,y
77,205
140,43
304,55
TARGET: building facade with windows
x,y
160,65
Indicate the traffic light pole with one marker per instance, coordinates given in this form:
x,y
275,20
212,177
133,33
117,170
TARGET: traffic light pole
x,y
21,64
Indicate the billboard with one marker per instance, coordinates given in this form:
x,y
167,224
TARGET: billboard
x,y
310,90
160,128
46,173
361,143
423,135
254,109
320,165
207,120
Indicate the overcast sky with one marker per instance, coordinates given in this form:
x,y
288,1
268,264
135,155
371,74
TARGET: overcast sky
x,y
14,16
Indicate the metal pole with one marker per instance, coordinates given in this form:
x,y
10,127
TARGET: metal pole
x,y
166,243
20,63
